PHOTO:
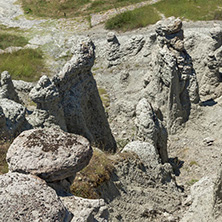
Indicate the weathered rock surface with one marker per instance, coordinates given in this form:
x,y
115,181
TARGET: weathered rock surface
x,y
28,198
83,110
145,150
150,128
51,154
86,209
46,95
14,115
173,86
7,89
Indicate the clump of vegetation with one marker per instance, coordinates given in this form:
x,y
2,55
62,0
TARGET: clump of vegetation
x,y
7,40
97,172
4,145
26,64
190,9
104,97
136,18
192,182
193,162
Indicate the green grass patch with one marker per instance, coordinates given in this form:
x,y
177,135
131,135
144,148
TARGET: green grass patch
x,y
192,182
92,176
71,8
7,40
26,64
137,18
104,97
4,145
191,9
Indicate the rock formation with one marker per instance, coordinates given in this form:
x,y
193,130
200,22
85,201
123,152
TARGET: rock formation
x,y
49,109
173,86
70,101
50,154
83,110
39,160
150,129
28,198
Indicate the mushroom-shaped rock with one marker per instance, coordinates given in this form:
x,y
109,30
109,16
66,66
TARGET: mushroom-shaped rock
x,y
51,154
28,198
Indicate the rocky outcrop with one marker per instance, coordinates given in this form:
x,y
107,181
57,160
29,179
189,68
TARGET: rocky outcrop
x,y
50,154
86,209
83,110
49,109
116,53
39,160
150,128
13,117
70,101
173,86
28,198
7,89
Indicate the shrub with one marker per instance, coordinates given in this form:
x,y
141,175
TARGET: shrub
x,y
97,172
136,18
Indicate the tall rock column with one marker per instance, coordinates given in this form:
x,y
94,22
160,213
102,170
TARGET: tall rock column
x,y
173,86
83,110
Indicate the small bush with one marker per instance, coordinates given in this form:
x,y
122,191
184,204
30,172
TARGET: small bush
x,y
26,64
136,18
7,40
97,172
4,145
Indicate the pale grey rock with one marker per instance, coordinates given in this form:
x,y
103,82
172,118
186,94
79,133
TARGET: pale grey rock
x,y
173,84
28,198
7,89
86,209
83,110
14,116
217,195
2,123
46,95
114,53
134,45
145,150
202,199
51,154
150,128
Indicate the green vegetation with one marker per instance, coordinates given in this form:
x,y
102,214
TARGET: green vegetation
x,y
192,182
97,172
4,145
128,20
104,97
26,64
70,8
193,162
190,9
7,40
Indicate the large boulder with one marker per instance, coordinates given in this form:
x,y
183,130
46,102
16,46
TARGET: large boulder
x,y
49,153
28,198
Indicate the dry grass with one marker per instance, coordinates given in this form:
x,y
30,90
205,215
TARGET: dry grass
x,y
97,172
4,145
